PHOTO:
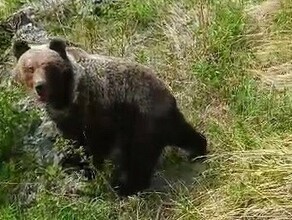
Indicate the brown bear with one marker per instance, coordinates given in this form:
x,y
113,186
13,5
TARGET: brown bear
x,y
107,104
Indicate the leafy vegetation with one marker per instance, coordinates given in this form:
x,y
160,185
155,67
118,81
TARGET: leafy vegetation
x,y
229,71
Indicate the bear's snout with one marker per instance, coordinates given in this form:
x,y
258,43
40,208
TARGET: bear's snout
x,y
40,88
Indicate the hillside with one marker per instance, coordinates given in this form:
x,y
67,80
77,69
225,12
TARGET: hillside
x,y
228,63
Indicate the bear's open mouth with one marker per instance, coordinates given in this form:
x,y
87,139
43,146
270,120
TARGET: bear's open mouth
x,y
42,97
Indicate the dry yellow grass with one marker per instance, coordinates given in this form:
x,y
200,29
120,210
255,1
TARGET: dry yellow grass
x,y
274,48
264,11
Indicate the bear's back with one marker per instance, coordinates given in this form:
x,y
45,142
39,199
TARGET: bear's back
x,y
125,81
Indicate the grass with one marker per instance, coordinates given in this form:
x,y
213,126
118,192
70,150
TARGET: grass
x,y
226,70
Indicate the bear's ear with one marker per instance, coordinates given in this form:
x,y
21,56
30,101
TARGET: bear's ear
x,y
19,47
59,45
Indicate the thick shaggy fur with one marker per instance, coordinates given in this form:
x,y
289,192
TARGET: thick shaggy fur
x,y
107,104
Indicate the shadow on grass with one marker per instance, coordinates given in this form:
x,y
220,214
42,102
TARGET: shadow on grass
x,y
174,174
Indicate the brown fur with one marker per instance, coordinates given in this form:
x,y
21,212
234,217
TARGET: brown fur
x,y
108,104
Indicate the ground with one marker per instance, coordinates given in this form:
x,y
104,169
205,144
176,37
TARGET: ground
x,y
228,64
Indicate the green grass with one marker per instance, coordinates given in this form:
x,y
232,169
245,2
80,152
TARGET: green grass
x,y
207,52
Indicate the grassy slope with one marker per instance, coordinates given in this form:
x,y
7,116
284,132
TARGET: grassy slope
x,y
208,53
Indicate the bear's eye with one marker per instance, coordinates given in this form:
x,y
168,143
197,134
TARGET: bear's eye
x,y
29,69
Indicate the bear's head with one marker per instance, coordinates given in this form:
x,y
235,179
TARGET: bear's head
x,y
46,71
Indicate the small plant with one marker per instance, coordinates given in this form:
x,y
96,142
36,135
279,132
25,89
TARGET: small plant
x,y
14,123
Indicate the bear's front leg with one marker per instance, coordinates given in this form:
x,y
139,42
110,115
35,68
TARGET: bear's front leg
x,y
135,166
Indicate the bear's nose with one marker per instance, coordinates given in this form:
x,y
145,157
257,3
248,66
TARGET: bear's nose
x,y
39,88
